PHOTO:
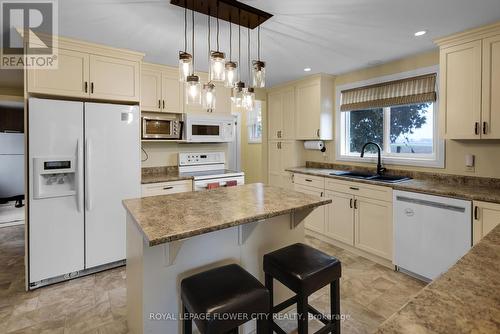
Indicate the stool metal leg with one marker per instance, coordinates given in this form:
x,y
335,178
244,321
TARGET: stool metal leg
x,y
269,286
335,305
303,315
187,323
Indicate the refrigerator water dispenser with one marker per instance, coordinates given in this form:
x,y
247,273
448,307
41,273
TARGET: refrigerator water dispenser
x,y
54,177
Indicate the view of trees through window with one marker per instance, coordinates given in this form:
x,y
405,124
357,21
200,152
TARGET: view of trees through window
x,y
409,127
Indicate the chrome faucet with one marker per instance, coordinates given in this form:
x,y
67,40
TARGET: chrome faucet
x,y
380,169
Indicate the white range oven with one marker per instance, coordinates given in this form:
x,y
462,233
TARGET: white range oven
x,y
208,170
203,128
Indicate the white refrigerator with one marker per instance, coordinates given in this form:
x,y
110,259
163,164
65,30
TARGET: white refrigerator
x,y
84,159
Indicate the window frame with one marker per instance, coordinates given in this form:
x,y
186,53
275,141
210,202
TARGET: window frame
x,y
341,128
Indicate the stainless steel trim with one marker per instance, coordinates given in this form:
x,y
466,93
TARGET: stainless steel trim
x,y
175,127
430,203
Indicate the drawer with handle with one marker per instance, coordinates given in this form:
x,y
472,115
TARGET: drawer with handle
x,y
309,180
166,188
359,189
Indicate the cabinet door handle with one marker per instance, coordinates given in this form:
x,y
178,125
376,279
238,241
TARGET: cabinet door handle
x,y
309,180
356,204
91,88
86,87
484,127
350,203
476,213
321,195
163,104
159,104
476,128
317,133
168,188
353,188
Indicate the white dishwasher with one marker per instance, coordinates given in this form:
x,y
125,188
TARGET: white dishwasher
x,y
430,233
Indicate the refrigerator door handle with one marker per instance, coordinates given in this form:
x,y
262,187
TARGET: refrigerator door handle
x,y
88,154
79,186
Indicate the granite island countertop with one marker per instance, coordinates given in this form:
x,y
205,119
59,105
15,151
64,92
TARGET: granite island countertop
x,y
482,189
465,299
178,216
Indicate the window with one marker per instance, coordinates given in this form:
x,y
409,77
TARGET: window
x,y
404,131
399,115
254,124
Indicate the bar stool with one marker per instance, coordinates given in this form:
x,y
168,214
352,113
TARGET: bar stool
x,y
304,270
222,299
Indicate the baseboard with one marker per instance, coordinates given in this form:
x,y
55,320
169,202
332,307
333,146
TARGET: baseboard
x,y
351,249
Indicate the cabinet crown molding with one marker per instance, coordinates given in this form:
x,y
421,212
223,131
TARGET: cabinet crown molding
x,y
469,35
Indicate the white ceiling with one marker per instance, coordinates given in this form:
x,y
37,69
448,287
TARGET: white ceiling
x,y
331,36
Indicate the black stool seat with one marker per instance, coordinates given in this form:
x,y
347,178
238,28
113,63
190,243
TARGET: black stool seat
x,y
305,270
302,268
227,290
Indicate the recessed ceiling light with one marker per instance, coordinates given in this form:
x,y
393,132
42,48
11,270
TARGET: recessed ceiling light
x,y
307,69
420,33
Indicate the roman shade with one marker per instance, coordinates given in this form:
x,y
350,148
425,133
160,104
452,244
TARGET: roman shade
x,y
419,89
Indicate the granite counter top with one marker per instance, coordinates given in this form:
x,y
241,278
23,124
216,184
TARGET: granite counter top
x,y
484,189
162,174
178,216
465,299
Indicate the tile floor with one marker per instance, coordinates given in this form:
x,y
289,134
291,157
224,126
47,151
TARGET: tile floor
x,y
97,303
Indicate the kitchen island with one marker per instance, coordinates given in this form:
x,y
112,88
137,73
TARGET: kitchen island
x,y
174,236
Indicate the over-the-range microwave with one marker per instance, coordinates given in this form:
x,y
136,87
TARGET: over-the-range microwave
x,y
169,126
201,128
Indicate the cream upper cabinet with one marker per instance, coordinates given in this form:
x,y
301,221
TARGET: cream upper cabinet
x,y
171,93
491,88
114,79
151,90
460,103
469,79
373,226
314,98
486,218
71,78
315,221
340,217
275,115
281,113
87,70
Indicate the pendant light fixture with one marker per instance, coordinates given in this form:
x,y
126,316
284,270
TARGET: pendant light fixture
x,y
185,59
237,94
231,67
208,94
193,85
259,67
249,93
217,58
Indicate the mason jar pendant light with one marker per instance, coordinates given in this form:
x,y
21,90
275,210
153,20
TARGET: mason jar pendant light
x,y
193,85
208,94
217,61
259,67
185,59
231,67
237,93
248,93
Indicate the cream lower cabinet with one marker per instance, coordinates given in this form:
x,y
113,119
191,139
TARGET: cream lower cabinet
x,y
486,218
166,188
359,216
315,221
339,217
373,226
282,155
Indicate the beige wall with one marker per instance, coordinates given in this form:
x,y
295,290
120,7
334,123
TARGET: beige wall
x,y
251,153
487,152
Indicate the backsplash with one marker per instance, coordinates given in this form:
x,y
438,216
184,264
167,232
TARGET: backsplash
x,y
449,178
